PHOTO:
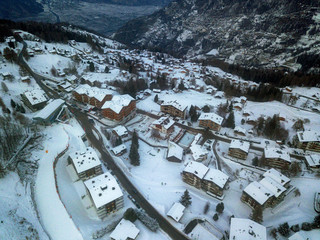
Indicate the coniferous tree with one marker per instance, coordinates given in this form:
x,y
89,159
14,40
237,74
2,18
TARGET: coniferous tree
x,y
185,199
156,98
135,139
284,229
13,104
215,217
220,208
134,155
230,121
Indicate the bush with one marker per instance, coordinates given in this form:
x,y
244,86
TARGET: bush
x,y
306,226
206,208
215,217
284,230
130,214
220,208
149,222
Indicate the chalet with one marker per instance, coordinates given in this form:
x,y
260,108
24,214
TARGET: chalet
x,y
176,211
86,163
210,120
175,152
6,75
120,108
65,87
71,79
125,230
288,89
239,131
309,140
193,173
174,108
246,113
246,229
239,149
164,125
277,176
119,150
120,131
214,182
34,99
25,79
11,41
219,94
199,153
313,161
251,120
92,95
277,158
256,194
237,106
268,192
105,194
205,231
49,113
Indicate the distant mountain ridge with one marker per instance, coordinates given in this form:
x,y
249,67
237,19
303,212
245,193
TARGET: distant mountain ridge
x,y
133,2
250,33
19,8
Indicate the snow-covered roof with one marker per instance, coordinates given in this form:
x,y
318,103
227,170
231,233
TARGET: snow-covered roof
x,y
258,192
240,129
277,153
200,232
308,136
279,177
276,188
120,130
71,78
103,189
35,96
313,160
196,168
65,85
299,236
198,152
118,102
239,144
217,177
174,150
176,211
125,230
85,160
166,122
212,117
101,77
118,149
175,104
49,109
246,229
98,93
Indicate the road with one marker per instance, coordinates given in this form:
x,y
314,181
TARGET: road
x,y
107,159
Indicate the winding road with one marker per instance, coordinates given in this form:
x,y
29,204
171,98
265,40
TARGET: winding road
x,y
106,158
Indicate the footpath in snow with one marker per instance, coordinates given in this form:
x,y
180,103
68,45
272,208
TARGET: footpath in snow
x,y
54,216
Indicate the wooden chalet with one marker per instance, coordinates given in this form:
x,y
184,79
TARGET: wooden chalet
x,y
239,149
309,140
276,158
210,120
174,108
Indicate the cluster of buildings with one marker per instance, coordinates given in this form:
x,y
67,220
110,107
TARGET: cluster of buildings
x,y
211,180
113,107
268,192
103,189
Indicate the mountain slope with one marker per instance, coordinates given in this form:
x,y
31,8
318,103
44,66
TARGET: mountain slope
x,y
19,8
251,33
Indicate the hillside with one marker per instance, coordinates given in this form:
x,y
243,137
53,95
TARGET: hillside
x,y
19,8
251,33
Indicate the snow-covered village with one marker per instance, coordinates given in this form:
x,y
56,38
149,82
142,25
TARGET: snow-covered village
x,y
101,141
